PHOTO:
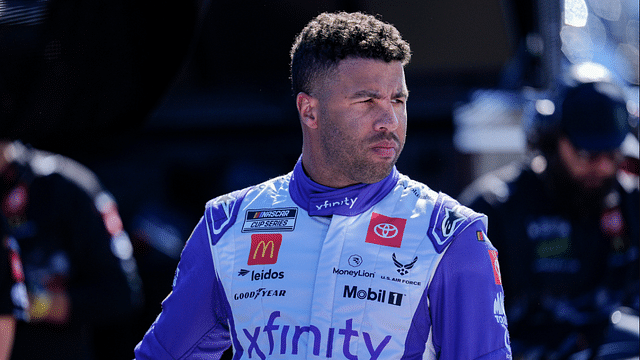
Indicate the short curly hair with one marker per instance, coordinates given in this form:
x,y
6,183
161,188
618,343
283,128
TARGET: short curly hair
x,y
331,37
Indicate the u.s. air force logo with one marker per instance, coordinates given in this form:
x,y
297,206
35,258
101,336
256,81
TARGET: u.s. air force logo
x,y
282,219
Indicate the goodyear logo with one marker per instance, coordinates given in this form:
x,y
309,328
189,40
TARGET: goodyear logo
x,y
283,219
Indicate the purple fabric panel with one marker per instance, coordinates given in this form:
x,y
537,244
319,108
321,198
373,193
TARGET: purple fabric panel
x,y
195,309
467,308
418,334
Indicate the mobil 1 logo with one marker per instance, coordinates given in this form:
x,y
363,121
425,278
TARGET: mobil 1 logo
x,y
380,295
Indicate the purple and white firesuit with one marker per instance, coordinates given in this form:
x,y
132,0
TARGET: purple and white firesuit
x,y
290,269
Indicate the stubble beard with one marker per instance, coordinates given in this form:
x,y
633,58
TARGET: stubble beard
x,y
350,157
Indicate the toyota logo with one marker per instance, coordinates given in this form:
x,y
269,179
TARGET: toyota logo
x,y
386,231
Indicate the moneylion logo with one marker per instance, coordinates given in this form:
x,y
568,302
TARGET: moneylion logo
x,y
264,249
386,231
355,260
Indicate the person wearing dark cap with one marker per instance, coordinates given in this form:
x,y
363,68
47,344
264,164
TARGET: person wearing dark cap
x,y
566,222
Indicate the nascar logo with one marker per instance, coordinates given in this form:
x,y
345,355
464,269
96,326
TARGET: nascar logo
x,y
283,219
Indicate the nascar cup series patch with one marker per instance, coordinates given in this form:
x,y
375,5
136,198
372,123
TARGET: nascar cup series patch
x,y
282,219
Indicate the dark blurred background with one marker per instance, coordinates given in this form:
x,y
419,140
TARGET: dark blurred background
x,y
175,102
172,103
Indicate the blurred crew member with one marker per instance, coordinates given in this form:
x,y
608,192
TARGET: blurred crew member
x,y
78,265
566,221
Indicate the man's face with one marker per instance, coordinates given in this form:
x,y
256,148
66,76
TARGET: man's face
x,y
362,120
590,171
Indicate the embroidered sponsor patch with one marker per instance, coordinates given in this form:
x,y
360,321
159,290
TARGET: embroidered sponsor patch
x,y
283,219
496,266
264,249
386,231
451,221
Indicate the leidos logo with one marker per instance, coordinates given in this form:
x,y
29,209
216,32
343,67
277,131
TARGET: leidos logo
x,y
394,298
264,249
386,231
262,275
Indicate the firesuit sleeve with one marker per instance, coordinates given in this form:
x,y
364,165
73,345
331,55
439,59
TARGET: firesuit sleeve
x,y
467,300
193,315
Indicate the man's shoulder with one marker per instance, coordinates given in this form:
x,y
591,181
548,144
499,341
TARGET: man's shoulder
x,y
449,218
222,212
271,186
446,216
418,189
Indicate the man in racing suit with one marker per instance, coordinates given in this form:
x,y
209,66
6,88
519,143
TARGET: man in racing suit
x,y
344,257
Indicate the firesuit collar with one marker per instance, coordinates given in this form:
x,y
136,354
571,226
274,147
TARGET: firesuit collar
x,y
320,200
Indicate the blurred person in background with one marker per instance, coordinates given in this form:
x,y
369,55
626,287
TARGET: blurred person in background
x,y
78,78
14,303
79,271
566,223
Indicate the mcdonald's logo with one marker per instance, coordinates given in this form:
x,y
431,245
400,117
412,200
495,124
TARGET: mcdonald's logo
x,y
264,249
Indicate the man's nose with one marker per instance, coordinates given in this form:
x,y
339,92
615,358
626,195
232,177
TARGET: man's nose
x,y
388,119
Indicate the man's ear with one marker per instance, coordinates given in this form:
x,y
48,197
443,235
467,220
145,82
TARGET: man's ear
x,y
307,109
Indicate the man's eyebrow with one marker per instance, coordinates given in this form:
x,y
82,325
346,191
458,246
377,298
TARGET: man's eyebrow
x,y
376,95
365,94
401,94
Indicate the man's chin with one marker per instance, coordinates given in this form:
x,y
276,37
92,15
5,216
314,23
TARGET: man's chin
x,y
377,173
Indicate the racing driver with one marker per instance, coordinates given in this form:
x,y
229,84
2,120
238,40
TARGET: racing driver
x,y
344,257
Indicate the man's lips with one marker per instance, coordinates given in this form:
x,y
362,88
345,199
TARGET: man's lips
x,y
385,148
